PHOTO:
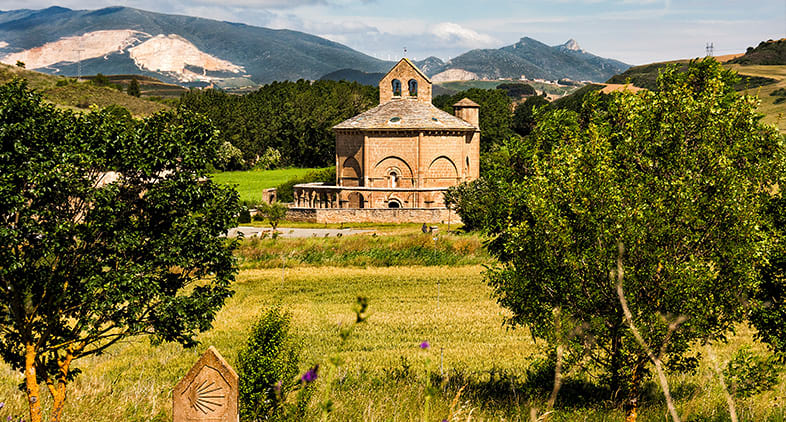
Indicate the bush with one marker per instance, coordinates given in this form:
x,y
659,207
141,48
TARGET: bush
x,y
750,374
286,193
268,368
274,213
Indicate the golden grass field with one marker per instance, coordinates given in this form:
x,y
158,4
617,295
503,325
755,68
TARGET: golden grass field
x,y
134,380
774,113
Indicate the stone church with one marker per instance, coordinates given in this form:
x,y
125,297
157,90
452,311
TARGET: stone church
x,y
402,154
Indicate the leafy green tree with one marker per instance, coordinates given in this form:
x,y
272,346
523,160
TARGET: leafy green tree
x,y
768,313
105,233
524,116
274,212
495,113
680,178
133,88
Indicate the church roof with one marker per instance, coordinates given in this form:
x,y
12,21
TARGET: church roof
x,y
405,114
466,102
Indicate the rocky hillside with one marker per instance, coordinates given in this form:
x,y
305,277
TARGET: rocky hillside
x,y
533,59
180,49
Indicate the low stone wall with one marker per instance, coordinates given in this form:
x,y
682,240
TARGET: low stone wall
x,y
373,215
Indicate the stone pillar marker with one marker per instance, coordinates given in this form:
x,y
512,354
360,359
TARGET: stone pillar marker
x,y
208,393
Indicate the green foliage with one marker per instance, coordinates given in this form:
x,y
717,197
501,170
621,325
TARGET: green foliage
x,y
285,190
228,157
766,53
294,118
517,90
133,88
749,373
768,313
495,113
273,212
20,64
268,368
676,177
86,264
524,116
269,160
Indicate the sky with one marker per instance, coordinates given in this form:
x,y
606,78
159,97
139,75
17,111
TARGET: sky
x,y
632,31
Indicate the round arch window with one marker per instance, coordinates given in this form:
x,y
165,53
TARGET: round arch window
x,y
394,203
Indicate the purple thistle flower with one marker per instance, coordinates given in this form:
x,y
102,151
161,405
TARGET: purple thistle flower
x,y
2,404
310,375
425,345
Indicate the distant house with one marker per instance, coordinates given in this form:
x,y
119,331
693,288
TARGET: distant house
x,y
402,154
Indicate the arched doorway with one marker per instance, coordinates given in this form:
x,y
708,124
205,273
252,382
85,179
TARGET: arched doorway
x,y
355,200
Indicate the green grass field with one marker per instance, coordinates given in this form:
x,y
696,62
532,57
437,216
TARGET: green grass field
x,y
250,183
384,372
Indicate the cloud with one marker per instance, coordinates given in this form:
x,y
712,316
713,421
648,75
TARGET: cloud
x,y
455,33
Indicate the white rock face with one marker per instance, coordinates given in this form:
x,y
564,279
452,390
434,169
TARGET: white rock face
x,y
572,45
160,53
72,49
454,75
171,53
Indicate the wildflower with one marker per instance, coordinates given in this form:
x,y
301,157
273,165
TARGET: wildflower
x,y
310,375
2,404
425,345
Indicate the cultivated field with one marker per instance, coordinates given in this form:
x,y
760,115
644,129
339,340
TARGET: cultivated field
x,y
492,372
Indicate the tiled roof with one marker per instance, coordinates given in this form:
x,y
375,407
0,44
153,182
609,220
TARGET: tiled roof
x,y
466,102
405,114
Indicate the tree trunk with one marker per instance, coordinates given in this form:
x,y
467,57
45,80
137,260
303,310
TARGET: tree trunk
x,y
31,383
616,356
632,404
58,387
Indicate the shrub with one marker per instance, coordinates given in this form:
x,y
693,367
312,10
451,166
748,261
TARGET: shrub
x,y
750,374
274,212
285,190
268,368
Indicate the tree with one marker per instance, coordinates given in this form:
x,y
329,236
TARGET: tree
x,y
105,233
274,212
680,179
133,88
524,116
495,113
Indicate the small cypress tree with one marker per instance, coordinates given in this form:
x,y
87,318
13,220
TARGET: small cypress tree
x,y
133,88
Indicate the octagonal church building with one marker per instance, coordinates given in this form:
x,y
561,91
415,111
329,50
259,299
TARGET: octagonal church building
x,y
395,161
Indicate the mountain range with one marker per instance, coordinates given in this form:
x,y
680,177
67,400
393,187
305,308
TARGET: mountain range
x,y
194,51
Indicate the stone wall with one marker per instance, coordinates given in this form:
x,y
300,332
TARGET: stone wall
x,y
370,215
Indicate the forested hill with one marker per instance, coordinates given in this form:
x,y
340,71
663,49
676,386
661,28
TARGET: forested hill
x,y
767,53
182,49
293,118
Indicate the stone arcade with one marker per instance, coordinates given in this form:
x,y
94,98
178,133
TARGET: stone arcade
x,y
401,155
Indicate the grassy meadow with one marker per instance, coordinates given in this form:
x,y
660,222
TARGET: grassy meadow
x,y
79,95
250,183
491,371
773,113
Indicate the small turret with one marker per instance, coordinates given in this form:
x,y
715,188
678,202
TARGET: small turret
x,y
468,111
